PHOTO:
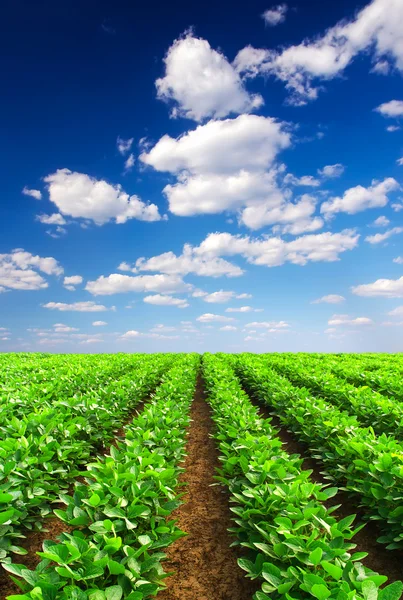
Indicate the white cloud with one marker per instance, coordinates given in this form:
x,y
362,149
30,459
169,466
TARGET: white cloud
x,y
274,251
270,325
392,128
376,28
130,335
329,299
400,161
305,180
219,297
228,328
55,219
99,323
80,196
120,284
249,142
359,198
381,222
70,282
33,193
381,237
124,146
227,166
124,266
243,309
56,233
202,82
129,162
337,320
189,262
381,67
76,306
332,171
19,270
161,300
396,312
386,288
394,108
60,328
398,260
161,328
211,318
275,15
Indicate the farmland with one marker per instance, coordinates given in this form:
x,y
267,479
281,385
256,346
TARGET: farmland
x,y
187,476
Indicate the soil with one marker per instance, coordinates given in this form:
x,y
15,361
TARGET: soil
x,y
385,562
204,564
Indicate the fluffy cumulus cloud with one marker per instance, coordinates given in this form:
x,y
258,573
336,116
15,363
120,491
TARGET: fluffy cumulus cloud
x,y
274,251
386,288
80,196
71,282
381,222
189,262
329,299
393,108
161,300
229,166
359,198
121,284
378,238
76,306
37,194
376,28
332,171
212,318
20,270
202,83
228,328
275,15
337,320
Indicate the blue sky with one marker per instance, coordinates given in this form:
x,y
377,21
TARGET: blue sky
x,y
208,177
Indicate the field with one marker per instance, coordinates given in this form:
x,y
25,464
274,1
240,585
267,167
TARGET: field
x,y
213,477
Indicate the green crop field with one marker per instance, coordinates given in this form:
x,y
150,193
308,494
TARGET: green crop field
x,y
107,464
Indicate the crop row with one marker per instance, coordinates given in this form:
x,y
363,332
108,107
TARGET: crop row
x,y
41,453
120,515
369,466
295,547
371,408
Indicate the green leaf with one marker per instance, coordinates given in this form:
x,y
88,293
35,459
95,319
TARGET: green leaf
x,y
115,568
114,592
94,500
333,570
369,590
392,591
320,591
6,516
5,498
316,556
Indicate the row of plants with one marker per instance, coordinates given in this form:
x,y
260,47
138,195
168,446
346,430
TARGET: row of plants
x,y
121,515
371,408
42,453
367,465
294,546
23,393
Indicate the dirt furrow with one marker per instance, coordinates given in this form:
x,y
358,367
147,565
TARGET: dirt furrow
x,y
204,564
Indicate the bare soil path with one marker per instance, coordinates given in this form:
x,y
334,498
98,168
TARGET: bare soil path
x,y
205,565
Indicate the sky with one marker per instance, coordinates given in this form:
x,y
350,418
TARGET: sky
x,y
201,176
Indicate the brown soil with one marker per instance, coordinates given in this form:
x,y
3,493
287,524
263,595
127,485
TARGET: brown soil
x,y
204,564
385,562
